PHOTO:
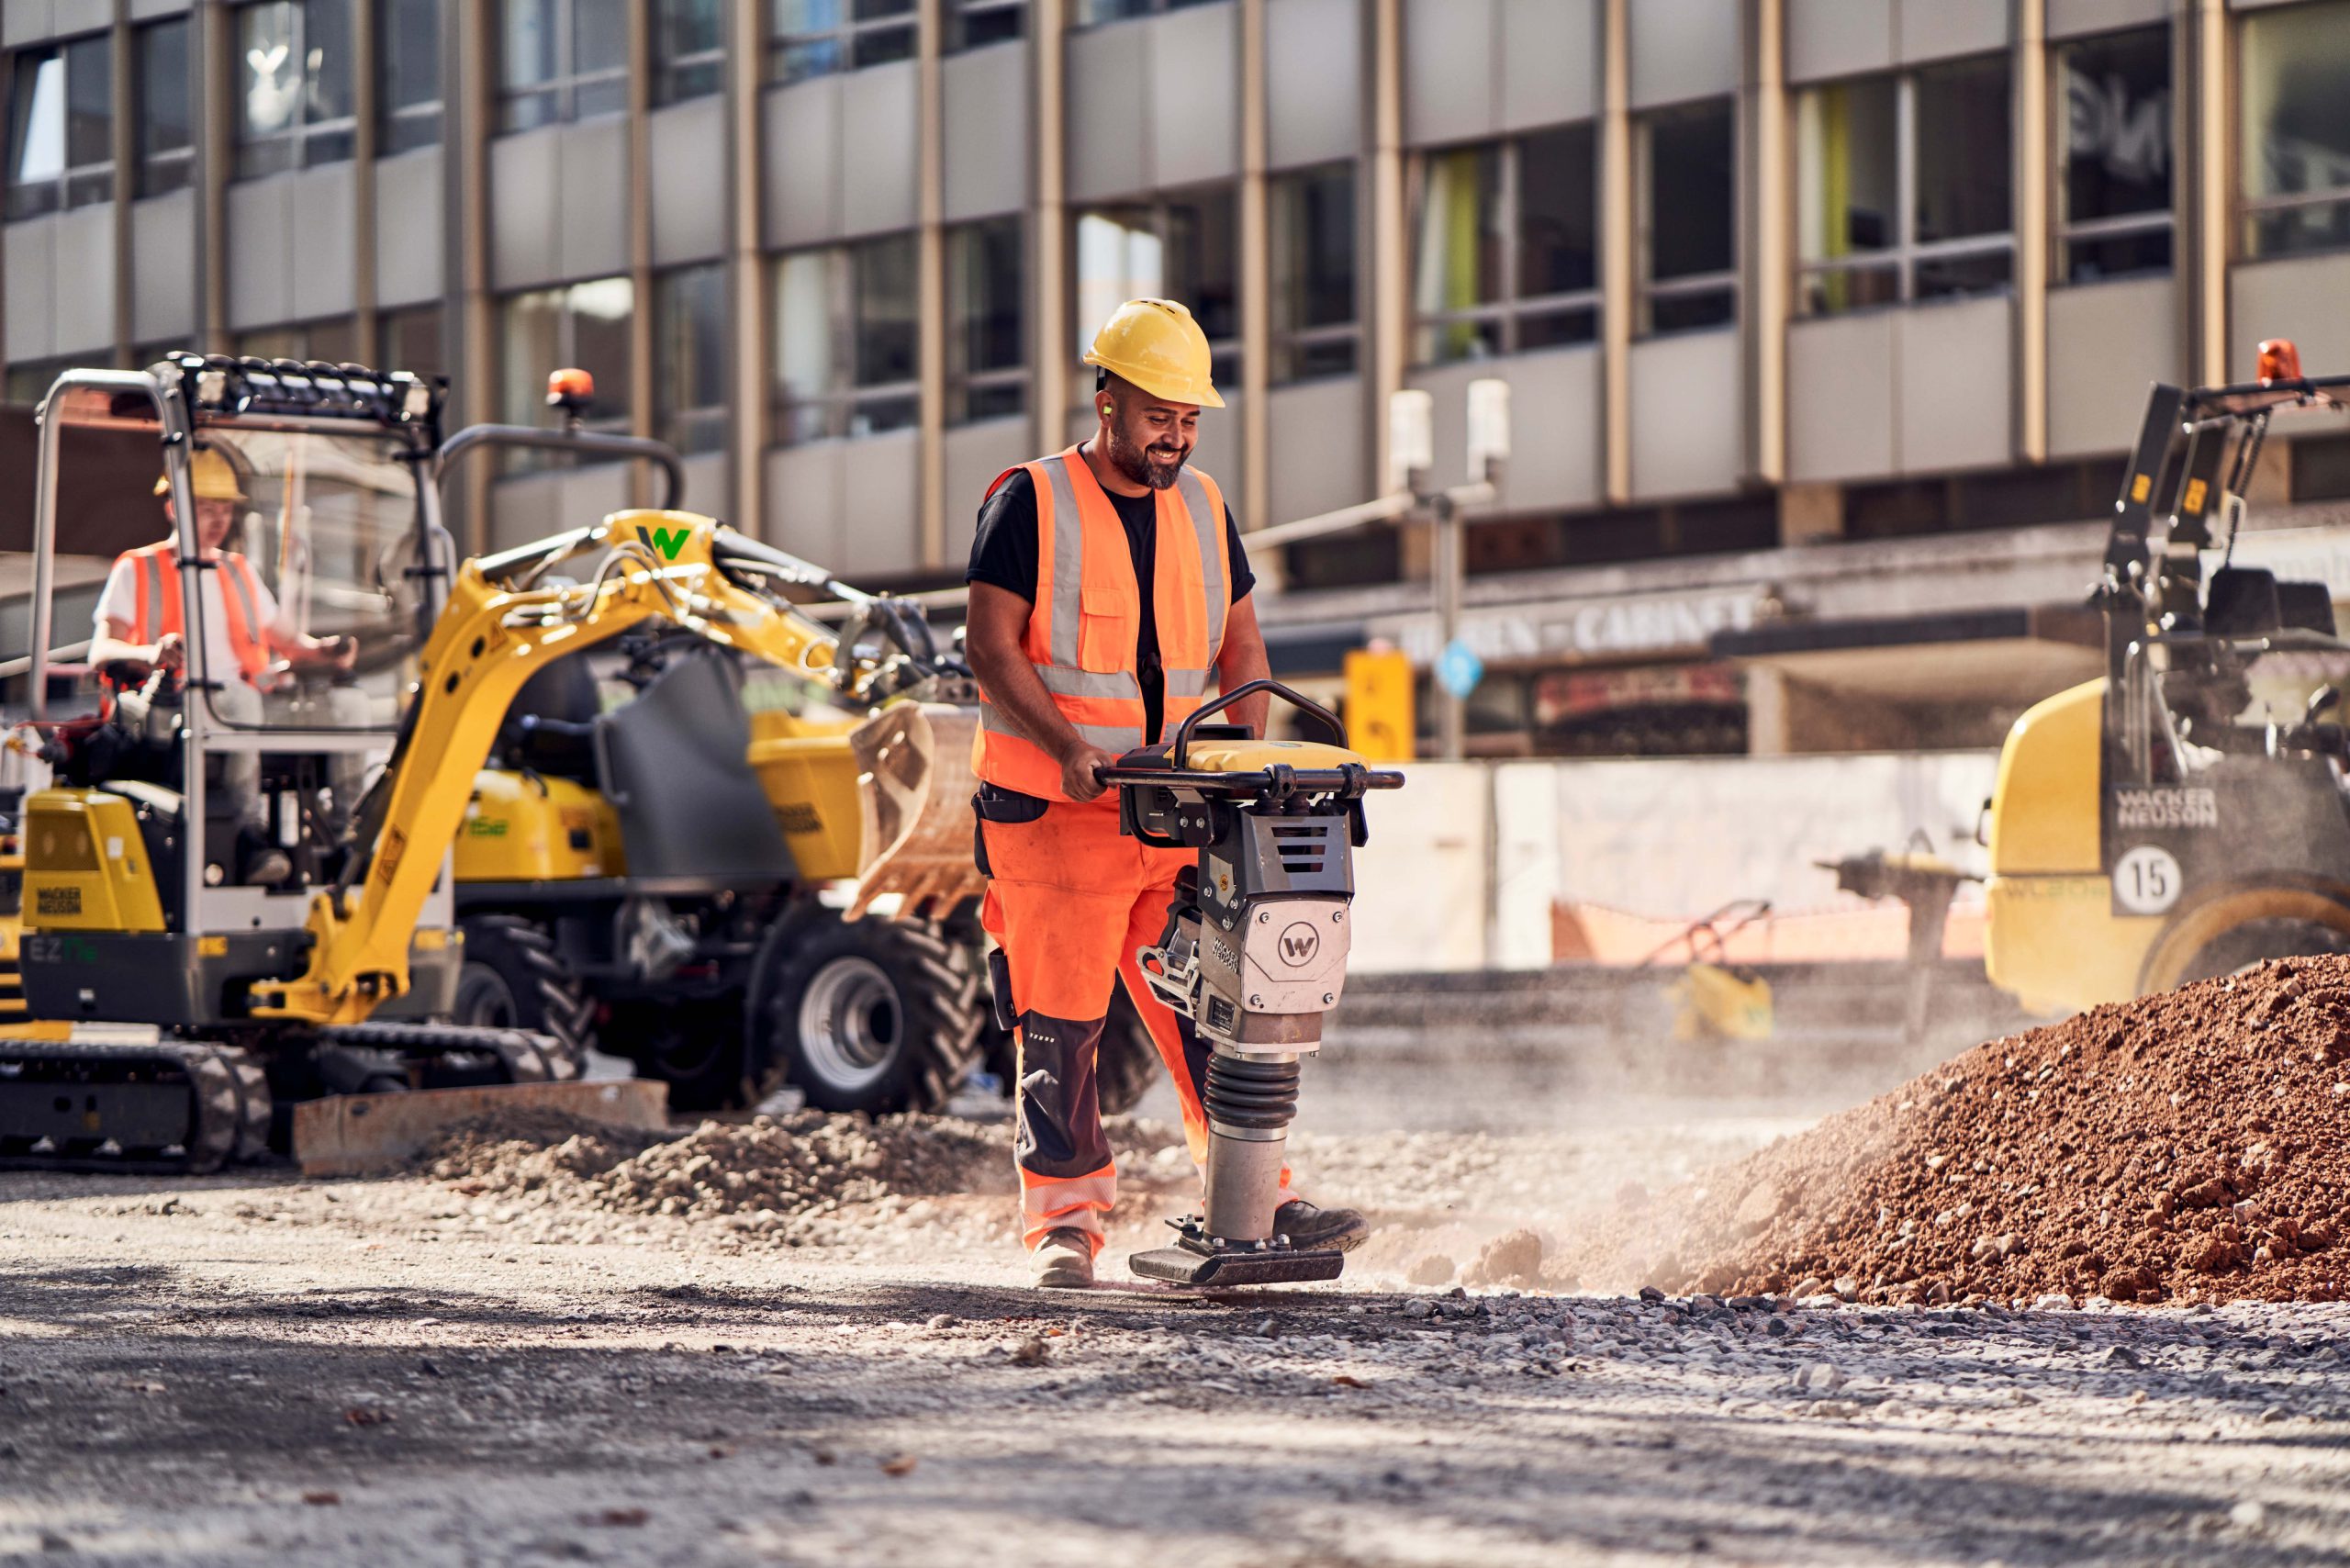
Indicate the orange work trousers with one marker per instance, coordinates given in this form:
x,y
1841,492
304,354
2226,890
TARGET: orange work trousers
x,y
1069,901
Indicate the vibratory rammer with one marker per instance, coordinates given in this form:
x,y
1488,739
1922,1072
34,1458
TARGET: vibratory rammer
x,y
1254,954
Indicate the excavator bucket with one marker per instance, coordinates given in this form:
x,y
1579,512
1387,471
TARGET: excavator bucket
x,y
917,839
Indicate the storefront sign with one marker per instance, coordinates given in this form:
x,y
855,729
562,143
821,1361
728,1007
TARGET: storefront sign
x,y
1593,629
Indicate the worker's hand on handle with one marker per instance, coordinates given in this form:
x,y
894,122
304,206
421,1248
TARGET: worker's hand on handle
x,y
170,652
1079,768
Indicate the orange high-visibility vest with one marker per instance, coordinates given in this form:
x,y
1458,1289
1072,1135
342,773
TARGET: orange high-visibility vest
x,y
1087,620
159,603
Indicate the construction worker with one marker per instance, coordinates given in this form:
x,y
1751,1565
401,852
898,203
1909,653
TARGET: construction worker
x,y
1108,586
139,622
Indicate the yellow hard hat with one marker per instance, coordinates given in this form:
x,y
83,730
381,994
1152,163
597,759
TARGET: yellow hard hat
x,y
1156,345
210,474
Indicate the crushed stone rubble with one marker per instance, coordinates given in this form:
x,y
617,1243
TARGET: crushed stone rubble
x,y
2184,1147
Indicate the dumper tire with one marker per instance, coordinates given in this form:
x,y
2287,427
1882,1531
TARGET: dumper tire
x,y
1127,1063
874,1016
513,979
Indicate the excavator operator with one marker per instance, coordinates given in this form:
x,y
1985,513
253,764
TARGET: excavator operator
x,y
1108,589
138,622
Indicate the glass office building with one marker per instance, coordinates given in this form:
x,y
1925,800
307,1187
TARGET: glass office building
x,y
1826,321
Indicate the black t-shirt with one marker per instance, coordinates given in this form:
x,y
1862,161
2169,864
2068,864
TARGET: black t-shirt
x,y
1004,554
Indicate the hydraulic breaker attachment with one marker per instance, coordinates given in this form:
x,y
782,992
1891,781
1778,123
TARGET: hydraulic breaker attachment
x,y
1254,954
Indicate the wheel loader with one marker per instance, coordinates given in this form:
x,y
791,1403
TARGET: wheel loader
x,y
2188,814
179,1000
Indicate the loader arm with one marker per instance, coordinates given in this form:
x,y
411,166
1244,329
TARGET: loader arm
x,y
498,628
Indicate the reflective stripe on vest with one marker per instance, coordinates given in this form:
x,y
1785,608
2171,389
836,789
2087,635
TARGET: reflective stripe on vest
x,y
159,604
1083,544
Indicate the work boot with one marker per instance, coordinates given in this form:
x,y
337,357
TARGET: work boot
x,y
1309,1226
268,869
1064,1261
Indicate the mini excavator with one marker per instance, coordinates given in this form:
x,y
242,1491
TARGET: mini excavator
x,y
178,1002
1254,954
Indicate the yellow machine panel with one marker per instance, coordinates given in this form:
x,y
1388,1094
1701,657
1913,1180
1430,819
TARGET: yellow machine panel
x,y
2049,825
2052,939
812,782
525,829
85,865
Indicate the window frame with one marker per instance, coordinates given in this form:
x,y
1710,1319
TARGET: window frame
x,y
1084,11
2064,230
957,42
388,114
1507,313
1224,350
2249,211
843,400
610,416
667,67
1907,253
687,427
961,383
562,86
76,184
300,132
844,35
171,168
1288,344
1649,289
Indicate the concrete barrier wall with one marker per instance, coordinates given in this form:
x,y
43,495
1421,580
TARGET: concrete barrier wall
x,y
1466,864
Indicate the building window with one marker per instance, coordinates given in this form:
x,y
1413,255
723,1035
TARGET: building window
x,y
2114,212
974,24
28,381
1903,187
688,50
1684,183
845,340
1313,270
1089,12
816,37
166,147
61,141
987,321
2295,133
410,340
583,325
689,357
331,342
293,86
561,60
407,60
1184,247
1506,257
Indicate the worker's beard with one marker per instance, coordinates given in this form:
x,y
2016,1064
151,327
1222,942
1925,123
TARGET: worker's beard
x,y
1134,462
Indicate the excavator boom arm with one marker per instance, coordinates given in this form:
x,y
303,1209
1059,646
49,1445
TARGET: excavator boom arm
x,y
497,630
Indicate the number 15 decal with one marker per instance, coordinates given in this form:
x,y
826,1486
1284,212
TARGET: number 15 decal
x,y
2146,880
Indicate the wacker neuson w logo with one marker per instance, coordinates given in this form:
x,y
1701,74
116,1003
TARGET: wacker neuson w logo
x,y
668,541
2165,808
1299,944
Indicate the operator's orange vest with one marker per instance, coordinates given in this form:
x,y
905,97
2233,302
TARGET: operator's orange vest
x,y
1087,619
159,603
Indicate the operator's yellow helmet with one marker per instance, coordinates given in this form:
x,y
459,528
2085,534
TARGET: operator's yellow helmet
x,y
1156,345
210,474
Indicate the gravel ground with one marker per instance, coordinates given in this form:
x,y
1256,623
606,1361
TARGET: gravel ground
x,y
254,1368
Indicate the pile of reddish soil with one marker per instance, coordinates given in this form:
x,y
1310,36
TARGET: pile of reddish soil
x,y
2194,1145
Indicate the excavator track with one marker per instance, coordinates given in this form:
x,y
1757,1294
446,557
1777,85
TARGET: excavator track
x,y
181,1107
523,1055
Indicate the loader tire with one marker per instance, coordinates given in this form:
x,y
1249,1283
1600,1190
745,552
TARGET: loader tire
x,y
874,1016
513,980
694,1046
1128,1062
